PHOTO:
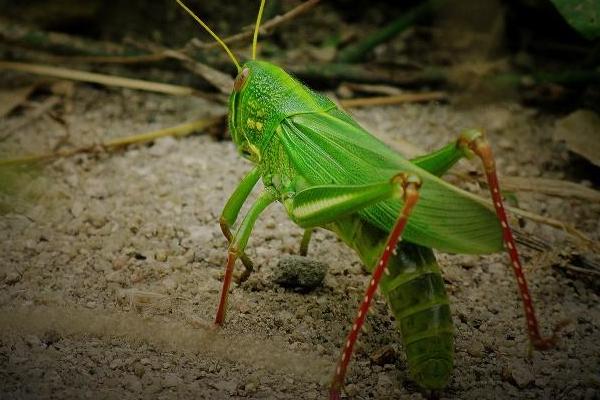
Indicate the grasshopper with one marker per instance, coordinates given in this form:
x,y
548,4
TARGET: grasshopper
x,y
329,172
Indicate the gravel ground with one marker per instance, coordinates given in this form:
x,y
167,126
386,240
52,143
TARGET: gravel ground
x,y
111,264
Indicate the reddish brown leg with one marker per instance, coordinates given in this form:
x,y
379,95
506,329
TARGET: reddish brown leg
x,y
411,185
231,257
474,141
237,245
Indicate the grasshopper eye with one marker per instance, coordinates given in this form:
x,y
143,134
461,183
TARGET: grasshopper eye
x,y
240,80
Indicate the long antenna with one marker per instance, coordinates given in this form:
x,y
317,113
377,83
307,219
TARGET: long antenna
x,y
214,35
255,39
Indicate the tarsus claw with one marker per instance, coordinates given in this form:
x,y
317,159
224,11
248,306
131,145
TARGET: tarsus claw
x,y
334,394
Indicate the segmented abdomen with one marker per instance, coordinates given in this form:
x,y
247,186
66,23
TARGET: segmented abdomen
x,y
417,297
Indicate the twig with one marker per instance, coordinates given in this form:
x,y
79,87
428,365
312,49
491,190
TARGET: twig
x,y
133,59
109,80
396,99
552,187
39,110
533,242
373,73
264,29
218,79
548,221
579,270
368,73
60,43
13,98
114,144
572,77
385,90
357,51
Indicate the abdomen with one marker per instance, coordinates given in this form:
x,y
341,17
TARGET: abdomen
x,y
417,297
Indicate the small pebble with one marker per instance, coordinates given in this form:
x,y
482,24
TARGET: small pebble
x,y
32,341
351,390
97,219
250,387
171,380
170,284
223,386
138,369
384,355
115,277
116,363
12,278
120,262
50,337
520,375
132,383
161,255
77,208
476,349
298,272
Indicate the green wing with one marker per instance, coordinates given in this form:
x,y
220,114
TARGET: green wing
x,y
330,148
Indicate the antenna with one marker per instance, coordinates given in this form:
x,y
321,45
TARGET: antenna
x,y
214,35
255,39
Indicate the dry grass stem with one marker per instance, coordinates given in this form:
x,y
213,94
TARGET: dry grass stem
x,y
113,144
107,80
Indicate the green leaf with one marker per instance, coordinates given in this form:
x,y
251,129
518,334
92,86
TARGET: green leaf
x,y
582,15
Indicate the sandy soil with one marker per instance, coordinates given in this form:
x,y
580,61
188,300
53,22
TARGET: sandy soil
x,y
110,268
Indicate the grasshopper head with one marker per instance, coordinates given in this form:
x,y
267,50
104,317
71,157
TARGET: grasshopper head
x,y
255,106
250,106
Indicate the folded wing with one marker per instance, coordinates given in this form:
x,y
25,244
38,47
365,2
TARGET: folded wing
x,y
331,148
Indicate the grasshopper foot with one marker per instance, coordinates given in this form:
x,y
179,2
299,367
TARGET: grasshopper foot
x,y
547,343
334,394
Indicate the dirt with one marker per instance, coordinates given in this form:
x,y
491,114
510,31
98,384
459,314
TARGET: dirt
x,y
111,265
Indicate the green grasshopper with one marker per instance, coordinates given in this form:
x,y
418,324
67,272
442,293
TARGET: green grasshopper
x,y
329,172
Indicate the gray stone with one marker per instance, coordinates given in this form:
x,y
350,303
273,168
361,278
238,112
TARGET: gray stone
x,y
12,278
32,341
171,380
132,383
138,369
298,272
520,374
476,349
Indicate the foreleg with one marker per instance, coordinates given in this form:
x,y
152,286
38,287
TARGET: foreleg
x,y
237,246
231,211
